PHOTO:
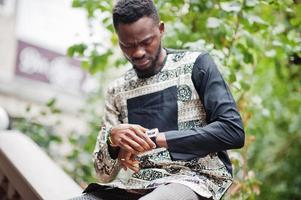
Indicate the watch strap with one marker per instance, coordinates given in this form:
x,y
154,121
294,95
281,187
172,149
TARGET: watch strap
x,y
154,139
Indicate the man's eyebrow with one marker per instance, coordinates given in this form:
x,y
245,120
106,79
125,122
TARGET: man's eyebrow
x,y
147,38
141,41
123,44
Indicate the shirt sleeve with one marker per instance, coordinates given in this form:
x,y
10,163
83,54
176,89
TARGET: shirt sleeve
x,y
105,163
224,129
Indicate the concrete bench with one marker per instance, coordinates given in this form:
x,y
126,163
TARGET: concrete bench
x,y
26,172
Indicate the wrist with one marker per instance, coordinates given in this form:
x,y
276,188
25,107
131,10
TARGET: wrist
x,y
161,140
110,139
152,134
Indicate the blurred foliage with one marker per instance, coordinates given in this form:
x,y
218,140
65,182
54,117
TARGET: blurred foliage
x,y
41,125
257,45
43,135
78,163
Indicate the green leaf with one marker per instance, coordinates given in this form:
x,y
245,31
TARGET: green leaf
x,y
51,102
77,3
245,86
85,65
232,77
76,50
56,111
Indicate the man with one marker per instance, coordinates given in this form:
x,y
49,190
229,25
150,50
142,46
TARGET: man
x,y
183,95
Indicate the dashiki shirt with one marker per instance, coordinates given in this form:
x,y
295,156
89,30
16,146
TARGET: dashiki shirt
x,y
190,102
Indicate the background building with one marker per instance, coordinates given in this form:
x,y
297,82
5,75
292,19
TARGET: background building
x,y
34,36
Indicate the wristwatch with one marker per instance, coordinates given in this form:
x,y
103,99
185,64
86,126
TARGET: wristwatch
x,y
152,134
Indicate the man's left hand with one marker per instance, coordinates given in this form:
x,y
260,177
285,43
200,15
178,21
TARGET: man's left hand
x,y
128,160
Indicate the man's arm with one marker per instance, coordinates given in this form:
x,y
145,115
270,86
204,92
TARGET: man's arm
x,y
105,155
105,163
128,139
224,130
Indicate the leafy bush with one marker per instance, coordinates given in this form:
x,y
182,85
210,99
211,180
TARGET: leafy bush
x,y
257,45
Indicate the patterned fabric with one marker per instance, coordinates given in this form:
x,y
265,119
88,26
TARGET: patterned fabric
x,y
207,176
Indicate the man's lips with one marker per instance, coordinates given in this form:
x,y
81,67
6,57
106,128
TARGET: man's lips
x,y
141,62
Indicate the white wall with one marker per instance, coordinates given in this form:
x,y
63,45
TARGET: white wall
x,y
7,40
52,24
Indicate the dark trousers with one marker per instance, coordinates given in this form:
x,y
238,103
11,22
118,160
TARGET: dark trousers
x,y
99,192
173,191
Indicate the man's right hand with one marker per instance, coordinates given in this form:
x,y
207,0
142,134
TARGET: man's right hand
x,y
131,138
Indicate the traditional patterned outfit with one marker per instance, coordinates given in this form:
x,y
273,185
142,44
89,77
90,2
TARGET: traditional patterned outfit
x,y
189,101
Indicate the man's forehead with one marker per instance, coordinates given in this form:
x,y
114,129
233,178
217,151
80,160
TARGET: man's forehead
x,y
135,40
143,25
141,29
143,21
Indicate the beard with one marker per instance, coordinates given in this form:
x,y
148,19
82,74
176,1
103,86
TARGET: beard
x,y
152,69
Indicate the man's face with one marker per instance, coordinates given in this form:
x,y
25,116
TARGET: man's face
x,y
140,42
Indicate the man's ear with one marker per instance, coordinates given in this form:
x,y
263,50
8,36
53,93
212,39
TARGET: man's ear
x,y
161,27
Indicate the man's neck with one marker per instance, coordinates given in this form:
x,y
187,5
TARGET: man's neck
x,y
161,59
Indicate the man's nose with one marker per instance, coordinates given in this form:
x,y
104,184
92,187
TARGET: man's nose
x,y
138,53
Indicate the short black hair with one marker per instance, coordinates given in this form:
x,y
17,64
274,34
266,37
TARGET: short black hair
x,y
129,11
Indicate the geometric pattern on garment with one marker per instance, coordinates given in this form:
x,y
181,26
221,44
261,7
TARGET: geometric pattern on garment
x,y
207,176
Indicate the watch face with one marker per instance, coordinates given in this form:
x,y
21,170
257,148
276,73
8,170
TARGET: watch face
x,y
152,132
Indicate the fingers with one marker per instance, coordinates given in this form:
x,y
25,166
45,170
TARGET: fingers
x,y
132,138
127,160
121,158
133,165
128,148
132,143
139,136
142,128
145,141
128,156
127,139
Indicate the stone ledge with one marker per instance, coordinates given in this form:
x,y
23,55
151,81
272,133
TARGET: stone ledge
x,y
31,172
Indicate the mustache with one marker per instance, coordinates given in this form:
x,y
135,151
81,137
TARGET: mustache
x,y
141,58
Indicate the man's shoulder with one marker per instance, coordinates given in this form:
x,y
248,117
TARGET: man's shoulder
x,y
178,55
118,84
186,51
